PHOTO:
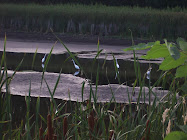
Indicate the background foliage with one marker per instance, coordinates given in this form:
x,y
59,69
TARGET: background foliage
x,y
97,20
142,3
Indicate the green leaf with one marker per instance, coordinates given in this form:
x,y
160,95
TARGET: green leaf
x,y
181,71
141,46
174,52
157,51
182,44
170,63
176,135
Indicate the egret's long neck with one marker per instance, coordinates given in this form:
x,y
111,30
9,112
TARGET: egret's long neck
x,y
116,62
73,62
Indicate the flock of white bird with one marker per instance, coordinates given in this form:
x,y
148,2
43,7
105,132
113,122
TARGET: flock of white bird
x,y
78,68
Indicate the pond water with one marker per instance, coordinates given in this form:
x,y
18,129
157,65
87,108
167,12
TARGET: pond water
x,y
63,63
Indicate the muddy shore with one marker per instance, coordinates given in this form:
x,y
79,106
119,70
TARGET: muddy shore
x,y
69,38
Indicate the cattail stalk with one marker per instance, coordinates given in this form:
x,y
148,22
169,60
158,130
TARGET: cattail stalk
x,y
91,123
54,137
147,131
111,133
46,137
65,126
50,128
41,133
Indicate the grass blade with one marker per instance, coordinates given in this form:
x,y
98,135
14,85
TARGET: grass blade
x,y
34,57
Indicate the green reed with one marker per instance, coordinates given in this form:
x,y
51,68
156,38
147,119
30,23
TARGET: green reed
x,y
5,97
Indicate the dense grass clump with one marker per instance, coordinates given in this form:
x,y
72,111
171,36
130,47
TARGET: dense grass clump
x,y
95,20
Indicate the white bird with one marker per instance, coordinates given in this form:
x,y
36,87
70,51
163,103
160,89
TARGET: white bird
x,y
75,65
43,59
148,73
117,65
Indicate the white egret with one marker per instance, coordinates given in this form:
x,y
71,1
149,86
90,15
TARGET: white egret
x,y
148,73
117,65
43,59
75,65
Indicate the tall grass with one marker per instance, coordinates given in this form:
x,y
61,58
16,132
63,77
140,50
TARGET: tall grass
x,y
90,119
95,20
5,97
71,9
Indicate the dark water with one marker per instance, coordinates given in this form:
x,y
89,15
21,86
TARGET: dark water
x,y
107,73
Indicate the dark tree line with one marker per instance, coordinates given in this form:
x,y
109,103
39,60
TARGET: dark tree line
x,y
142,3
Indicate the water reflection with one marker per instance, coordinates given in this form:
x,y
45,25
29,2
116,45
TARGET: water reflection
x,y
76,73
117,73
43,59
43,65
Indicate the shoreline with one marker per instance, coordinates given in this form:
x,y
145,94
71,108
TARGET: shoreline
x,y
67,38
